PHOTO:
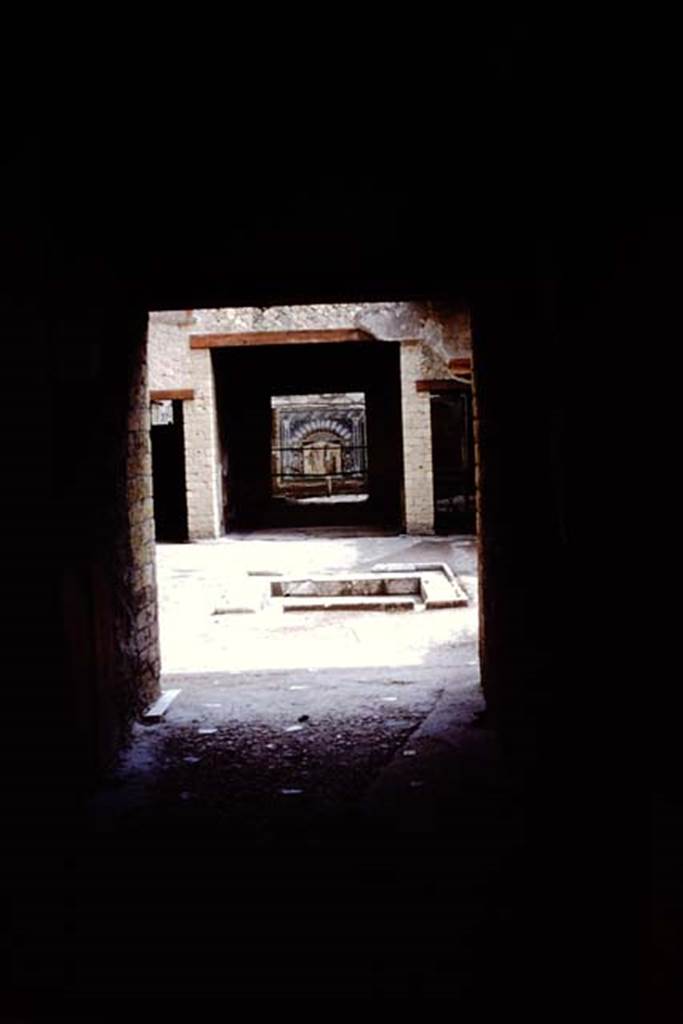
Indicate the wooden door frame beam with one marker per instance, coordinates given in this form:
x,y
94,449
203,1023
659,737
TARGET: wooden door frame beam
x,y
307,337
172,394
438,385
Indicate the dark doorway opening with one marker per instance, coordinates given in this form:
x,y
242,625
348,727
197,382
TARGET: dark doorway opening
x,y
453,461
168,471
248,381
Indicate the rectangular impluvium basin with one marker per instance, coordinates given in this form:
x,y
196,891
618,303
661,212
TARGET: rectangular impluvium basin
x,y
380,591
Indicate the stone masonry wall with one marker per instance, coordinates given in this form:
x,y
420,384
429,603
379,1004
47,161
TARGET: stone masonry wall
x,y
168,349
104,528
202,456
137,620
417,443
444,329
431,335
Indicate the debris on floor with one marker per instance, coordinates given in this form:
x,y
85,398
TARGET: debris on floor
x,y
156,711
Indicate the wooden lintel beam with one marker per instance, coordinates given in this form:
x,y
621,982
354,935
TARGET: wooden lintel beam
x,y
437,385
277,338
460,363
175,394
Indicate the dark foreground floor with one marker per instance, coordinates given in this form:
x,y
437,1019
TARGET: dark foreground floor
x,y
508,899
193,900
182,904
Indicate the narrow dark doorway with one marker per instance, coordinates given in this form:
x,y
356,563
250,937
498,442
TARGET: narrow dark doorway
x,y
453,461
168,471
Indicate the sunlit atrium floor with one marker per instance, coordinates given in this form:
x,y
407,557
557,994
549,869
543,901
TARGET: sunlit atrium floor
x,y
213,617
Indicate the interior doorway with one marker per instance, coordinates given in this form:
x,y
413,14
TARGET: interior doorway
x,y
453,460
311,435
168,470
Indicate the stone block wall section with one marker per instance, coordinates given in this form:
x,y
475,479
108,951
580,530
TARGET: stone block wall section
x,y
104,536
202,452
431,335
417,443
137,620
168,349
